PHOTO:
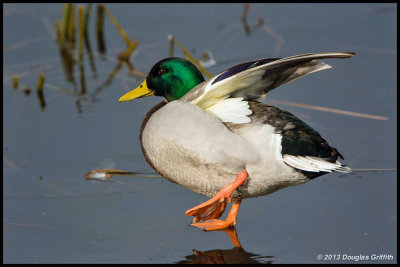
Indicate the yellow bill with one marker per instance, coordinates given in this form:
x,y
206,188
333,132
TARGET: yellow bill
x,y
141,91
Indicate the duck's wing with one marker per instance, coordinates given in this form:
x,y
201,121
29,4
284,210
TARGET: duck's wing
x,y
252,80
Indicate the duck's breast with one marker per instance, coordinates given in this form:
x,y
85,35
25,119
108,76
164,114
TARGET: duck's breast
x,y
193,148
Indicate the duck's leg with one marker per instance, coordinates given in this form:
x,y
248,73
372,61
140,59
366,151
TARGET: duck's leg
x,y
215,224
214,207
231,232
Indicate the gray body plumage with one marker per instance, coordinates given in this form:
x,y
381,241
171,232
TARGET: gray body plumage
x,y
193,148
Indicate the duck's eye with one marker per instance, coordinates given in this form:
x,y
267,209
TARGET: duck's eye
x,y
162,71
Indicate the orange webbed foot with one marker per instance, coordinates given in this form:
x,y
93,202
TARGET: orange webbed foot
x,y
214,224
211,209
214,207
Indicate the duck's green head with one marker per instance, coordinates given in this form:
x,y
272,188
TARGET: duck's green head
x,y
171,78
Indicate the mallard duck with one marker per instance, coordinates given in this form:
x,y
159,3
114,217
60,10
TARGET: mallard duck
x,y
214,138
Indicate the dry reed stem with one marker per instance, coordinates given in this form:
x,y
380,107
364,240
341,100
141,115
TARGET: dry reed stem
x,y
15,82
81,32
332,110
99,29
118,27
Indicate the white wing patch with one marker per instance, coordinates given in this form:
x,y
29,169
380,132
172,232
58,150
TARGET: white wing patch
x,y
234,110
314,164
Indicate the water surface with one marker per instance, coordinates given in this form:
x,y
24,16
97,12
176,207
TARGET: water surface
x,y
51,214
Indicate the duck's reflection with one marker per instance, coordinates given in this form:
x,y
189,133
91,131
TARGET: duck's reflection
x,y
222,256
